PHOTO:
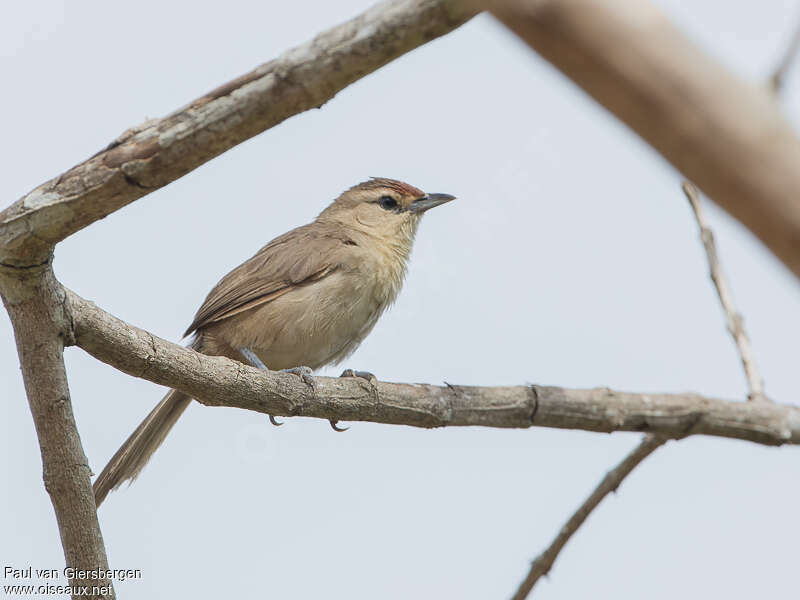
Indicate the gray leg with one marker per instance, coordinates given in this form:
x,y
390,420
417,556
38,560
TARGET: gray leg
x,y
251,357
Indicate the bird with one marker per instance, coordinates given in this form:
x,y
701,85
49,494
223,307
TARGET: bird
x,y
305,300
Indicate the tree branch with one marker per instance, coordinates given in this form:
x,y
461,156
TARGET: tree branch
x,y
544,562
218,381
727,136
42,326
149,156
732,316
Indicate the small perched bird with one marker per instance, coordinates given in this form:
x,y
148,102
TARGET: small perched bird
x,y
305,300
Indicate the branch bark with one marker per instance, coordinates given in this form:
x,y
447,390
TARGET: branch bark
x,y
151,155
42,325
727,136
218,381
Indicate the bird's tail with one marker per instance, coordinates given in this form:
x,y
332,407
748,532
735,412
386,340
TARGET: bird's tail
x,y
131,458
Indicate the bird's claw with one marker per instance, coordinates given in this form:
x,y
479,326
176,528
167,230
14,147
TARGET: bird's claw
x,y
336,427
274,421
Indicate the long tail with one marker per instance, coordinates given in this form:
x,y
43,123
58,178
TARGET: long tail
x,y
131,458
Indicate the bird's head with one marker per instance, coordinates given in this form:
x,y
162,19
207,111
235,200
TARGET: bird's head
x,y
384,208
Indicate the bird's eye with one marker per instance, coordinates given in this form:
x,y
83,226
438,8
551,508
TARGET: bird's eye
x,y
387,202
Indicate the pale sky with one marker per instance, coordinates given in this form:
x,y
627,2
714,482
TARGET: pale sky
x,y
570,258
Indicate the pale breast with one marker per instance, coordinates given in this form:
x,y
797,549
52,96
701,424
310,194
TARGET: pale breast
x,y
316,324
323,321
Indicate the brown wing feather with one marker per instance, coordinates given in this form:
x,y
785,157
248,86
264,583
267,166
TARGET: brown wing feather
x,y
298,257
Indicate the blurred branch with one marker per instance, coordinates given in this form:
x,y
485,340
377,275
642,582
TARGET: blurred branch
x,y
729,137
733,318
218,381
544,562
151,155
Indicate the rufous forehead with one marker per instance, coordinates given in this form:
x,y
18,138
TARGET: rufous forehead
x,y
405,189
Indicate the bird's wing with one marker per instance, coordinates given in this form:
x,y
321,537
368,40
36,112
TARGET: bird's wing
x,y
296,258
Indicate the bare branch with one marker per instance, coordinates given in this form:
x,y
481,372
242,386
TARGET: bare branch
x,y
544,562
42,325
729,137
734,319
218,381
157,152
778,77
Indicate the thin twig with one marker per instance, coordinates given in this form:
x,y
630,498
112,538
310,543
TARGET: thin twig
x,y
734,319
544,562
778,78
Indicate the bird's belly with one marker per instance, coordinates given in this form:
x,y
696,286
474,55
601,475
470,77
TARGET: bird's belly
x,y
317,324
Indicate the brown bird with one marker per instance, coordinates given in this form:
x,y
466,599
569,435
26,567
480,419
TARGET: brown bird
x,y
305,300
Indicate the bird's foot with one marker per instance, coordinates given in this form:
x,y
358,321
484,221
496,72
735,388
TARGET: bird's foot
x,y
371,379
304,373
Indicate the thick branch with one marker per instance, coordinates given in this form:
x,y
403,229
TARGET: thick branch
x,y
157,152
40,316
218,381
727,136
544,562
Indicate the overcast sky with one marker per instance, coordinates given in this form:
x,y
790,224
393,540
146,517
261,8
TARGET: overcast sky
x,y
570,258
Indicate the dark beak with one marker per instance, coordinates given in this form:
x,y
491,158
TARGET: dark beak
x,y
429,201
